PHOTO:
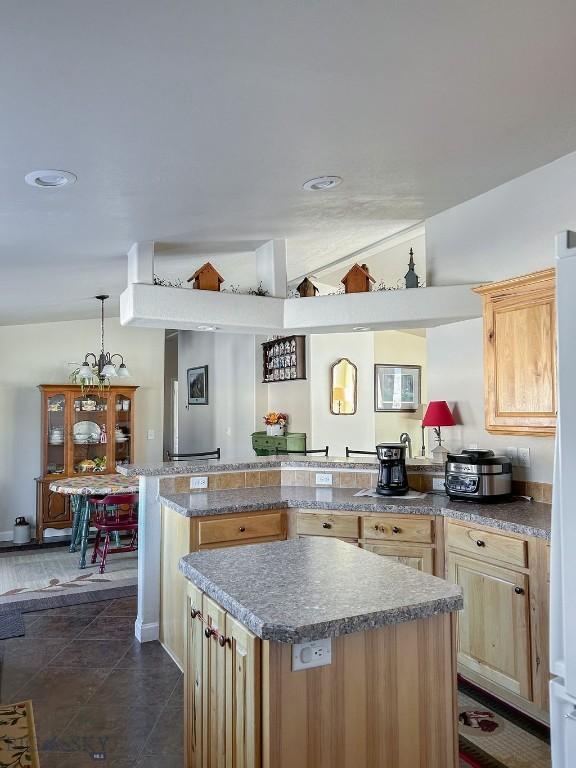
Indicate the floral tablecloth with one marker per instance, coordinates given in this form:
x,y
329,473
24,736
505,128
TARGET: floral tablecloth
x,y
98,485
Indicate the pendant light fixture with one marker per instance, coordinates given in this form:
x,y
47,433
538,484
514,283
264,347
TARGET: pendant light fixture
x,y
102,368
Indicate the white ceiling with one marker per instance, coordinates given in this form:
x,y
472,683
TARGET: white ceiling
x,y
195,123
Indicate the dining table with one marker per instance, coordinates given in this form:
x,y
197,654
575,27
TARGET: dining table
x,y
80,489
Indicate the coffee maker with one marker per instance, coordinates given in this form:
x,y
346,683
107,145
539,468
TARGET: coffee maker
x,y
392,476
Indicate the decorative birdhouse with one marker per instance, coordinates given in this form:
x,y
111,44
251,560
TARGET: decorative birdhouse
x,y
411,277
358,279
307,288
206,278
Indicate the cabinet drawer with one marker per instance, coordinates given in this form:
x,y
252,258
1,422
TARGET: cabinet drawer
x,y
486,544
240,528
318,524
269,442
405,528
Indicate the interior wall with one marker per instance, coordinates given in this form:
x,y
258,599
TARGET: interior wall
x,y
170,374
356,431
293,398
403,348
236,394
39,354
455,374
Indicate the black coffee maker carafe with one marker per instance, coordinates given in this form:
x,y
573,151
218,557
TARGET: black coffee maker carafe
x,y
392,476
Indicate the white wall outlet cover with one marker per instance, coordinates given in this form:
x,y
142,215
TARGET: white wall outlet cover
x,y
198,482
316,653
323,478
151,434
512,453
523,457
438,484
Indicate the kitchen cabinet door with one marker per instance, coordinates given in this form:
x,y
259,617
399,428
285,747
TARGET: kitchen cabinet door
x,y
242,697
213,688
520,355
193,681
416,556
494,626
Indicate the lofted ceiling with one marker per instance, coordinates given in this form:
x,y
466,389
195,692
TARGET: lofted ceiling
x,y
194,123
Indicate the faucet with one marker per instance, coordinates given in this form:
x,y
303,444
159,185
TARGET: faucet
x,y
407,440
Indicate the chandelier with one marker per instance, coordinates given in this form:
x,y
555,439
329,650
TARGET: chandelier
x,y
102,367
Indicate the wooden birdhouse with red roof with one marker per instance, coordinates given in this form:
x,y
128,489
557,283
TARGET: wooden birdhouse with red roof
x,y
358,279
206,278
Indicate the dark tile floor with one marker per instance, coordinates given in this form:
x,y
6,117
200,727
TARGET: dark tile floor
x,y
99,697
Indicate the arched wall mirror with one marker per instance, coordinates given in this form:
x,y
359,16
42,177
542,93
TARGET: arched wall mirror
x,y
343,387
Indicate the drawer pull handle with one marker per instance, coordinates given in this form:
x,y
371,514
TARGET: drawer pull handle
x,y
480,543
242,529
395,529
519,590
326,525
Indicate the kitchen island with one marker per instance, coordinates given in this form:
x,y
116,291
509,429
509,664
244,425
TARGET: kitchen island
x,y
261,690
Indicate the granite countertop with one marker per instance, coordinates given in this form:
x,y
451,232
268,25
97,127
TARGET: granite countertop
x,y
527,518
307,589
242,464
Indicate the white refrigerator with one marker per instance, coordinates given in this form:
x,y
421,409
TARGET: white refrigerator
x,y
563,553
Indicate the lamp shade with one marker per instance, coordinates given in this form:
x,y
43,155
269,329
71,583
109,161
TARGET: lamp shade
x,y
438,414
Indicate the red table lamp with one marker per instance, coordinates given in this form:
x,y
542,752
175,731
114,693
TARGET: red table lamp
x,y
437,415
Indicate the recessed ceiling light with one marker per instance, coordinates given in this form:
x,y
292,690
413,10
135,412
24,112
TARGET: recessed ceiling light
x,y
207,328
50,178
322,183
361,328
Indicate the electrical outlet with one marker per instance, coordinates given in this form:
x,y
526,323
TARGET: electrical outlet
x,y
438,484
472,446
317,653
323,478
523,457
198,482
512,454
151,434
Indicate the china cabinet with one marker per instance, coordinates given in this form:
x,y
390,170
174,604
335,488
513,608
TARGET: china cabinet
x,y
82,432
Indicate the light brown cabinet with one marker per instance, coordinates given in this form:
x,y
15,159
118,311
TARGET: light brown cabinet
x,y
520,354
417,556
222,688
246,708
494,627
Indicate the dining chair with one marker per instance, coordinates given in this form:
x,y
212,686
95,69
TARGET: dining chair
x,y
284,452
113,514
202,455
354,452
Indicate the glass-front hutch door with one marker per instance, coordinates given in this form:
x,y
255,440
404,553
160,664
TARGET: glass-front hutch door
x,y
89,433
55,453
123,438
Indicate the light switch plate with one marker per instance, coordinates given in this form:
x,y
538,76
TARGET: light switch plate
x,y
323,478
198,482
317,653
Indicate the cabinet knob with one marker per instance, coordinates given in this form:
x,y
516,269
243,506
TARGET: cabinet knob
x,y
194,613
208,632
223,640
395,529
326,525
480,543
519,590
242,529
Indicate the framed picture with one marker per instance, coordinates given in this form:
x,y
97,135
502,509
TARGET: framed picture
x,y
396,387
198,385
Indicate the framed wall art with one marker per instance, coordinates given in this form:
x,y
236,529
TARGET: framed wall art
x,y
198,385
396,387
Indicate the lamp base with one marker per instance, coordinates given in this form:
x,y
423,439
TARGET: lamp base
x,y
439,454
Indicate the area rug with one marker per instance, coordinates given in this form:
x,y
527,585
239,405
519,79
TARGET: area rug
x,y
492,735
17,736
55,571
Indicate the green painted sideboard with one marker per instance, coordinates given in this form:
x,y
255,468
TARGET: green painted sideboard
x,y
267,446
